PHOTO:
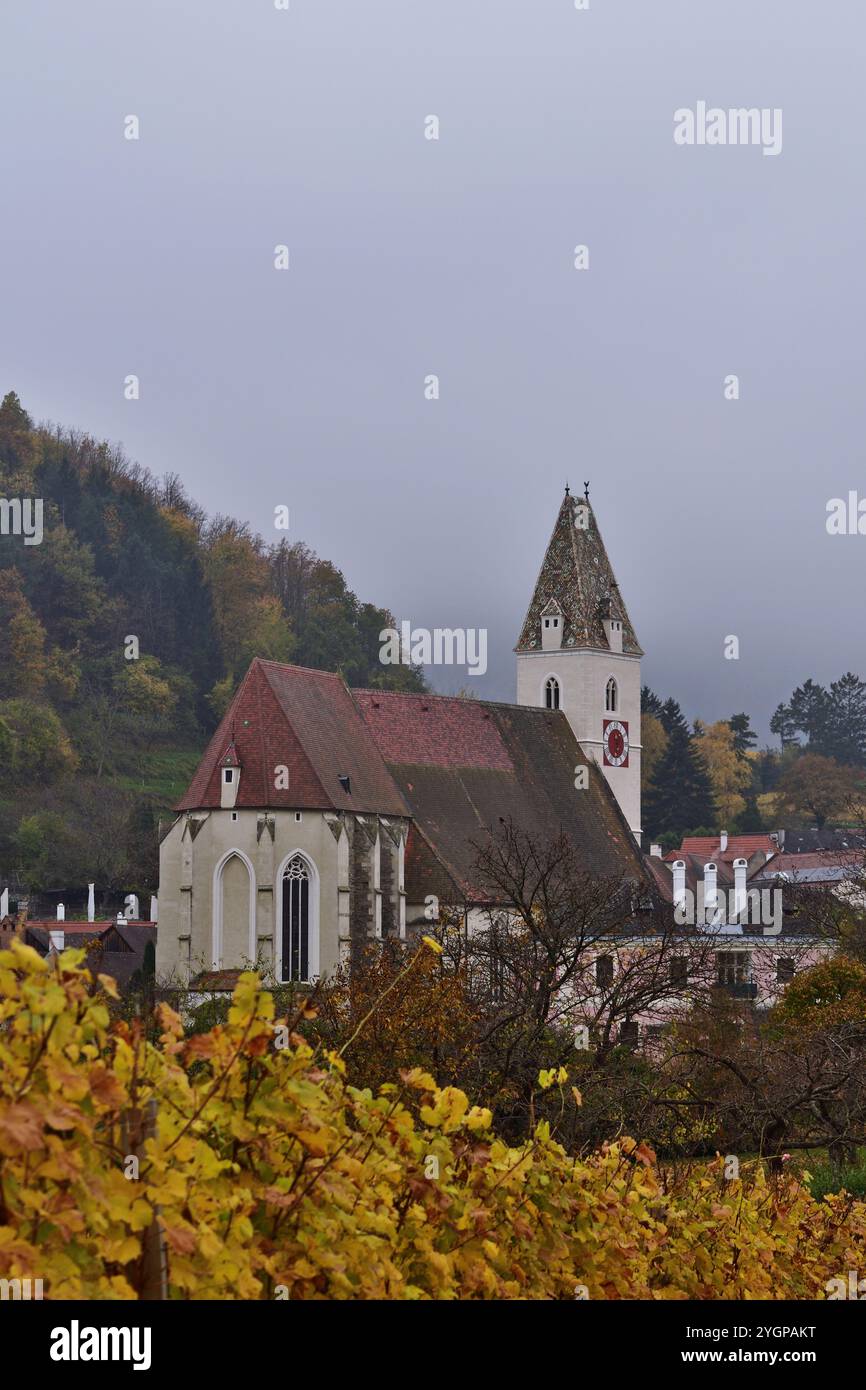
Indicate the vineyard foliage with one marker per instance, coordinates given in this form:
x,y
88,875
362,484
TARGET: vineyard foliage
x,y
257,1171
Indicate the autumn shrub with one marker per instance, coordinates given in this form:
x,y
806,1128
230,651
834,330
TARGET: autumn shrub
x,y
244,1159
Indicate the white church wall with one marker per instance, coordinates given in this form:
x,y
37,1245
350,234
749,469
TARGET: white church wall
x,y
196,870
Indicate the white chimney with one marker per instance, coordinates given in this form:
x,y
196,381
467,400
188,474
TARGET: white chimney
x,y
740,869
154,909
711,895
58,939
655,851
679,874
723,842
4,903
61,912
91,902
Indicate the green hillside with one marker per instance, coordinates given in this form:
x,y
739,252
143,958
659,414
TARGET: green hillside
x,y
123,633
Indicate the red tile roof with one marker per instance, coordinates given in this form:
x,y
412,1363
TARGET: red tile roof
x,y
433,730
306,721
738,847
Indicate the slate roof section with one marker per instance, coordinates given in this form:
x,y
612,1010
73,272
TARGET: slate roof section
x,y
812,841
306,721
577,575
462,766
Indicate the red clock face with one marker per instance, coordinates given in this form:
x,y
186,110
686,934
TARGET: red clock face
x,y
615,743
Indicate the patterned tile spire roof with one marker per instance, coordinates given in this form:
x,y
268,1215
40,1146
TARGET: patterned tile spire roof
x,y
577,576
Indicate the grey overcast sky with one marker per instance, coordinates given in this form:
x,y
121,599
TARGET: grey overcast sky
x,y
411,256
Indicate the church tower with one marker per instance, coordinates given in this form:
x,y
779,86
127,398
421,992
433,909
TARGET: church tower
x,y
578,652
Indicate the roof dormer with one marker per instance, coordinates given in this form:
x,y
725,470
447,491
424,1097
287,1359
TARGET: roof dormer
x,y
613,633
551,627
230,777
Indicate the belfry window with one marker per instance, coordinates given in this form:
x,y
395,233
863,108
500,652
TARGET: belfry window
x,y
551,693
296,921
611,696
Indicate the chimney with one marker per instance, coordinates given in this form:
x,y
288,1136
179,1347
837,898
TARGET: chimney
x,y
655,851
723,842
711,895
740,869
679,876
61,912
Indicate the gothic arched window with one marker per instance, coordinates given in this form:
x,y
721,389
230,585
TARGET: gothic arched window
x,y
551,693
295,956
610,696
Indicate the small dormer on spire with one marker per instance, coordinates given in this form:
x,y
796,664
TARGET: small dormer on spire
x,y
230,777
551,627
611,620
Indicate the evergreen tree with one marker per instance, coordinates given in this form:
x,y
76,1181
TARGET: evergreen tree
x,y
782,724
680,795
846,734
811,714
650,702
745,737
833,721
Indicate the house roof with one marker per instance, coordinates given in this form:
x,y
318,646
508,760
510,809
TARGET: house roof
x,y
793,924
120,949
662,871
305,721
708,847
826,866
464,766
577,575
811,841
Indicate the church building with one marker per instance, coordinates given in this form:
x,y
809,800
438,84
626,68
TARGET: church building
x,y
321,818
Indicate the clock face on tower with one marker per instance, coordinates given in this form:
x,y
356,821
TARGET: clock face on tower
x,y
615,740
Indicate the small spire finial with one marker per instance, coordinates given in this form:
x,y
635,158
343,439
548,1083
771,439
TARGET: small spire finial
x,y
567,490
586,491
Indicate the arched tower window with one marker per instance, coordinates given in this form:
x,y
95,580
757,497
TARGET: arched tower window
x,y
551,693
611,696
295,955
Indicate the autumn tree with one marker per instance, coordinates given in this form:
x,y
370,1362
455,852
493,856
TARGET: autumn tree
x,y
817,788
41,750
730,773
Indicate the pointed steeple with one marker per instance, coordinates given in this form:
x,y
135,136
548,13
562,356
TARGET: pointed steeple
x,y
576,576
